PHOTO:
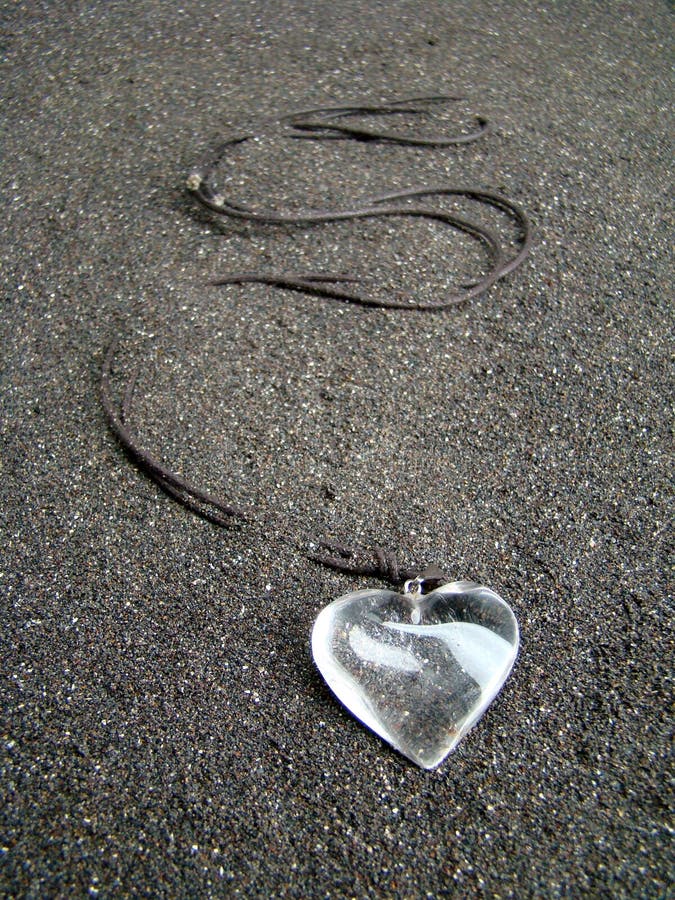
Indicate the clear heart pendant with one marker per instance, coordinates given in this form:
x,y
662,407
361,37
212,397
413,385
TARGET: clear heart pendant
x,y
418,669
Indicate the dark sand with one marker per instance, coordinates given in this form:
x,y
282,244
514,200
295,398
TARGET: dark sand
x,y
164,731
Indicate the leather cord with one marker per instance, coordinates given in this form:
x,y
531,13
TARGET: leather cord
x,y
321,124
377,563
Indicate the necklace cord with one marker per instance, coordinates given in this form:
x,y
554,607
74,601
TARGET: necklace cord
x,y
320,124
378,563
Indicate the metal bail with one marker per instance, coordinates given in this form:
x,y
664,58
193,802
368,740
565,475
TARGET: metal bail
x,y
427,581
413,587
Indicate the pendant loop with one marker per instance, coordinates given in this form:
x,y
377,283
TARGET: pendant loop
x,y
413,587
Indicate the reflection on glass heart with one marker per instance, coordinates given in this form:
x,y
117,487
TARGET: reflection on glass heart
x,y
418,670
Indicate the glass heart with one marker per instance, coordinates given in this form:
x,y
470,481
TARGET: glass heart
x,y
419,670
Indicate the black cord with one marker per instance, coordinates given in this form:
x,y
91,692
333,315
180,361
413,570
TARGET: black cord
x,y
319,124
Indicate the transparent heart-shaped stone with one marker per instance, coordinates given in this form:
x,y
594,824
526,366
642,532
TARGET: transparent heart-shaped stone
x,y
418,670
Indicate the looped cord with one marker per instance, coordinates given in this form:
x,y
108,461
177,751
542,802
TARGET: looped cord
x,y
387,205
320,123
378,562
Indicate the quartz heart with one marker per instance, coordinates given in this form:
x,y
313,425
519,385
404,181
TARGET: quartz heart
x,y
419,670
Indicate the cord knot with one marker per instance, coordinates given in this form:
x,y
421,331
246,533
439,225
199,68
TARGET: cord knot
x,y
387,564
376,563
